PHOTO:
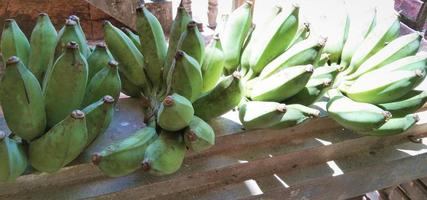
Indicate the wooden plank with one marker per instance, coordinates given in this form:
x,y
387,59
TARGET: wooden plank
x,y
353,183
414,190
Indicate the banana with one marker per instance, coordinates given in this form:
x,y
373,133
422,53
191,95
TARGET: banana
x,y
399,48
224,97
280,33
384,32
301,34
98,59
283,84
407,104
199,135
70,33
326,72
409,63
14,42
395,126
260,114
98,117
165,155
213,64
186,76
155,47
65,86
295,114
192,43
42,42
22,100
128,88
133,37
336,32
105,82
313,91
322,59
393,85
355,115
60,145
175,113
81,33
125,156
234,34
302,53
13,159
127,54
179,25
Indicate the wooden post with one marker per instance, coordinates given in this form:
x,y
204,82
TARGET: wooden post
x,y
212,13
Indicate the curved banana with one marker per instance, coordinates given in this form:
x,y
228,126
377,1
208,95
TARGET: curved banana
x,y
81,35
261,114
98,59
133,37
14,42
125,156
301,34
192,42
71,32
22,100
395,126
175,113
98,117
407,104
213,64
295,114
313,91
199,135
13,160
337,32
326,72
409,63
322,59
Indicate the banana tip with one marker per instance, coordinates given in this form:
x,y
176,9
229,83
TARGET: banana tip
x,y
72,45
327,82
237,75
96,158
101,45
70,22
416,117
168,101
108,99
9,21
106,22
113,63
43,14
191,25
387,115
12,60
190,135
78,114
420,73
309,68
74,18
281,108
2,135
179,54
146,166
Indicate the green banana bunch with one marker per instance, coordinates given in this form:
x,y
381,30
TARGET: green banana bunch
x,y
98,117
192,43
261,114
165,155
65,86
234,34
105,82
355,115
175,113
155,48
124,157
22,100
407,104
283,84
302,53
98,59
127,54
133,37
224,97
186,76
199,136
395,126
60,145
128,88
14,42
179,26
399,48
295,114
280,33
71,32
393,85
313,91
42,42
213,64
13,160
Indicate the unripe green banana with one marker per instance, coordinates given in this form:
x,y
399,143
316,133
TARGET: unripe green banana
x,y
175,113
155,47
179,26
124,157
355,115
407,104
395,126
234,34
14,42
381,34
337,33
393,85
42,42
326,72
65,86
322,59
260,114
283,84
280,33
98,117
60,145
187,76
13,160
410,63
199,135
127,54
313,91
399,48
133,37
224,97
22,101
80,32
128,88
165,155
303,53
98,59
301,34
295,114
70,33
192,43
105,82
213,65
